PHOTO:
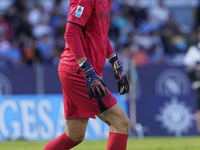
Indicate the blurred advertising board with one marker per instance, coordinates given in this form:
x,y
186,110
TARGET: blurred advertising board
x,y
166,104
40,80
41,117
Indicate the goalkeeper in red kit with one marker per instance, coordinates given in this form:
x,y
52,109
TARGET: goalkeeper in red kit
x,y
80,70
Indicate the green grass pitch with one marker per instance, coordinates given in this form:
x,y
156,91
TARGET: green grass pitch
x,y
150,143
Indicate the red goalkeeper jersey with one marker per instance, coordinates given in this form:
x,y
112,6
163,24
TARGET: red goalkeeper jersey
x,y
93,16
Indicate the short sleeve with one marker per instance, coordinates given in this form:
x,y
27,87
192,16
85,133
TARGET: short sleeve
x,y
80,12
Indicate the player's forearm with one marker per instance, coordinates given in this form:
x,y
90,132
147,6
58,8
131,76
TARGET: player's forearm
x,y
111,56
72,37
81,61
110,50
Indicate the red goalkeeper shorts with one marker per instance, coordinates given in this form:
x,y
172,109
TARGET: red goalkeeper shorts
x,y
76,100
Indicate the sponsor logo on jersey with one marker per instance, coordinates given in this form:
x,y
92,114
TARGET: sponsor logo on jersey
x,y
104,15
79,11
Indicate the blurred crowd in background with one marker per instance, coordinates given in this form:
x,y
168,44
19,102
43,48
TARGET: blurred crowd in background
x,y
32,33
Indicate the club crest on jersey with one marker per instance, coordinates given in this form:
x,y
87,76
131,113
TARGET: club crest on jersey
x,y
79,11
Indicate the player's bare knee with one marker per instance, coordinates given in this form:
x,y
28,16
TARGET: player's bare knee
x,y
125,125
121,126
77,138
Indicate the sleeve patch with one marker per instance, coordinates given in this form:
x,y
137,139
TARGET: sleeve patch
x,y
79,11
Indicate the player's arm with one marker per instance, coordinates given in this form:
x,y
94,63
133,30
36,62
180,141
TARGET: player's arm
x,y
119,74
94,83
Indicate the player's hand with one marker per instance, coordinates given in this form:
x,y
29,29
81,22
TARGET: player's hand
x,y
94,83
120,76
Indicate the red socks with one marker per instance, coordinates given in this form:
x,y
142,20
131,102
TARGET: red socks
x,y
63,142
117,141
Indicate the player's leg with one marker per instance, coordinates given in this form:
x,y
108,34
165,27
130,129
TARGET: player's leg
x,y
73,135
119,124
198,121
75,129
197,114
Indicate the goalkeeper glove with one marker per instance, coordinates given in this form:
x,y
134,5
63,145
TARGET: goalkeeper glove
x,y
120,76
94,83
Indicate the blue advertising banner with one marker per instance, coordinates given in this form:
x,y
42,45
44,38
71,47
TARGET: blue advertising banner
x,y
40,80
164,81
167,104
157,89
18,81
167,116
41,117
